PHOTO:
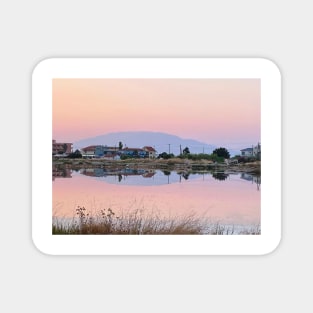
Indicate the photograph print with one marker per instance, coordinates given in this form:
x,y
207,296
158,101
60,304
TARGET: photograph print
x,y
156,156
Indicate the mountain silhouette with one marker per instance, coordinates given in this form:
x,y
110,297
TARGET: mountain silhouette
x,y
162,142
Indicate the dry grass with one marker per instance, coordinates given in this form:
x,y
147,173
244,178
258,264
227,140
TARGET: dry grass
x,y
136,222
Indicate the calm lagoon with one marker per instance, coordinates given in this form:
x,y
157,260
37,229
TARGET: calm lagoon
x,y
229,199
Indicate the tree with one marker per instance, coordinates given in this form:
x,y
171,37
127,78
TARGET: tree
x,y
120,145
166,173
125,157
186,175
186,151
165,156
222,152
75,155
220,176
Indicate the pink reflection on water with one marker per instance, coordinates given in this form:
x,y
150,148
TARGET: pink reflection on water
x,y
233,201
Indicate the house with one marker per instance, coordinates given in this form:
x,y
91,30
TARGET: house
x,y
151,152
89,152
99,151
254,151
61,148
253,178
248,152
102,151
135,152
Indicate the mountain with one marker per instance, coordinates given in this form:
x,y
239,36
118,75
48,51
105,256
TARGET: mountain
x,y
162,142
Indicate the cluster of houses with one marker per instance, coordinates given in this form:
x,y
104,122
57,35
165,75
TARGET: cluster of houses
x,y
101,151
100,172
115,153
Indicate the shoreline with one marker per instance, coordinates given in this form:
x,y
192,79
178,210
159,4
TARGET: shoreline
x,y
174,164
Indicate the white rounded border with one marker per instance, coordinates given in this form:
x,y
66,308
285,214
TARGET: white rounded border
x,y
260,68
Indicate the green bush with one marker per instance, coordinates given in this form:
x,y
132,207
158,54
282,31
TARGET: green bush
x,y
166,156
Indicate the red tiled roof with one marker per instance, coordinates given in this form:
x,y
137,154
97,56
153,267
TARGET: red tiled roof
x,y
148,148
89,148
148,175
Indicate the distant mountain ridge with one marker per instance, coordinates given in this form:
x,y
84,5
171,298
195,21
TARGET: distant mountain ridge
x,y
162,142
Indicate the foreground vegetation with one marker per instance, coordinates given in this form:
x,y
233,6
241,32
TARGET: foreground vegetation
x,y
106,222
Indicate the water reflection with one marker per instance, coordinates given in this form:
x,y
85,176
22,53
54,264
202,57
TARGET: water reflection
x,y
227,197
145,177
100,172
61,173
220,175
252,178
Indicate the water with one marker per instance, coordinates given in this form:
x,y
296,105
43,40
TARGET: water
x,y
230,199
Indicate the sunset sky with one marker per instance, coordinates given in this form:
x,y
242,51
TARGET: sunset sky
x,y
214,111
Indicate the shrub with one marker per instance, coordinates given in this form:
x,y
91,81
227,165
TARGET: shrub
x,y
222,152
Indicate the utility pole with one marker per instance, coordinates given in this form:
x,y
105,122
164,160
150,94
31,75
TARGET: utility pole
x,y
180,149
203,151
169,148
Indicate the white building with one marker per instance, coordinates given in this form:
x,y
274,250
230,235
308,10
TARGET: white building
x,y
254,151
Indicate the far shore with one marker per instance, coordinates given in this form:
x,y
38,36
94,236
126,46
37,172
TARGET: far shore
x,y
174,164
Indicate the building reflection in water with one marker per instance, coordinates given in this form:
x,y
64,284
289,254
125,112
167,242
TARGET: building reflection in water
x,y
144,173
61,173
232,198
100,172
253,178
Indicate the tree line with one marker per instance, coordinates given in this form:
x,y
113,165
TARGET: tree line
x,y
218,155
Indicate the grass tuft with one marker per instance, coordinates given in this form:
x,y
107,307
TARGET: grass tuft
x,y
138,222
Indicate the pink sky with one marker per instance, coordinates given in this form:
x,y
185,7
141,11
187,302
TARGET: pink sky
x,y
215,111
